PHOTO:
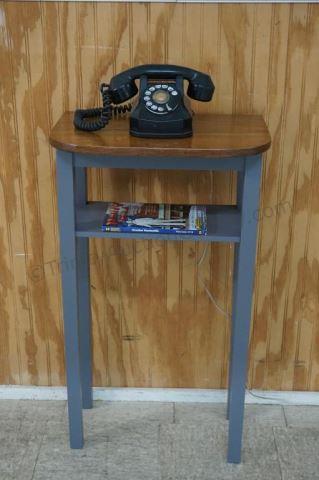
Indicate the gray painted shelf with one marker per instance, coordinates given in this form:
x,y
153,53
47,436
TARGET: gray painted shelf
x,y
223,225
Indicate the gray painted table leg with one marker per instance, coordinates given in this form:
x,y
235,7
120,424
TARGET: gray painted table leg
x,y
84,320
242,302
231,356
240,178
66,205
83,278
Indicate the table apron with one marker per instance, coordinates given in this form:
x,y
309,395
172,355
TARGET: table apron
x,y
159,163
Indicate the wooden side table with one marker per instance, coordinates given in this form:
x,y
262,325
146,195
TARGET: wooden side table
x,y
220,142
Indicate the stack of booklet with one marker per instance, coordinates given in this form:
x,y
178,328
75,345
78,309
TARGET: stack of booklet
x,y
155,218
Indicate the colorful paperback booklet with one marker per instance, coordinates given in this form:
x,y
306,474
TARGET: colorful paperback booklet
x,y
155,218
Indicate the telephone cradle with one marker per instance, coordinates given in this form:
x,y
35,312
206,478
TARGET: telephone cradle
x,y
161,109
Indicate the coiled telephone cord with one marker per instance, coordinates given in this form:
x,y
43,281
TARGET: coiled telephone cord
x,y
93,119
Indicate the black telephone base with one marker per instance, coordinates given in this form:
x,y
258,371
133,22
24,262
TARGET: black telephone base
x,y
137,133
144,125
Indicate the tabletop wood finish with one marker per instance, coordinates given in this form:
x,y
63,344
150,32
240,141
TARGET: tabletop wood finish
x,y
214,136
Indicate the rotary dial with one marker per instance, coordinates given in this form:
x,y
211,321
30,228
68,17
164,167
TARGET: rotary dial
x,y
161,98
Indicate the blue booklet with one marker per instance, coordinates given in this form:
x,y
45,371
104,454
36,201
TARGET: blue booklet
x,y
155,218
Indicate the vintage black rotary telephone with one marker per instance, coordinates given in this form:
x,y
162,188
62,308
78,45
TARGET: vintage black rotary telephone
x,y
161,110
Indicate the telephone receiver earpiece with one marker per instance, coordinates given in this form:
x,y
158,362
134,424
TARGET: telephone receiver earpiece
x,y
123,85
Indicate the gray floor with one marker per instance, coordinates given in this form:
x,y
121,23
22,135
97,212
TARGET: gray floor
x,y
156,441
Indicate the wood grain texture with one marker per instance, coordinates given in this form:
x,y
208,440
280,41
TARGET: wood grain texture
x,y
214,136
153,323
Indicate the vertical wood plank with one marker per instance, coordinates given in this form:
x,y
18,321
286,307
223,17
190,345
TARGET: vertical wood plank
x,y
11,231
272,207
34,349
298,301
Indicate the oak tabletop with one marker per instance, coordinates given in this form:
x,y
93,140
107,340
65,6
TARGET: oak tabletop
x,y
213,136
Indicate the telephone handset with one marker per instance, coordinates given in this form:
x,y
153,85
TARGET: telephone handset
x,y
161,110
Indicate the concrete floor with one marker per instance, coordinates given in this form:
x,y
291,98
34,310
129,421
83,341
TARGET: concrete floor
x,y
156,441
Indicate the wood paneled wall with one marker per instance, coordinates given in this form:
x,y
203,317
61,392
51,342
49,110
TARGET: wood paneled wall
x,y
153,322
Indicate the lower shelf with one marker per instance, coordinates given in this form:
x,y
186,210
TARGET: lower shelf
x,y
223,223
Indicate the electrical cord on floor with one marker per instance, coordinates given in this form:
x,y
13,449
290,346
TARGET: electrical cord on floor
x,y
222,311
260,396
